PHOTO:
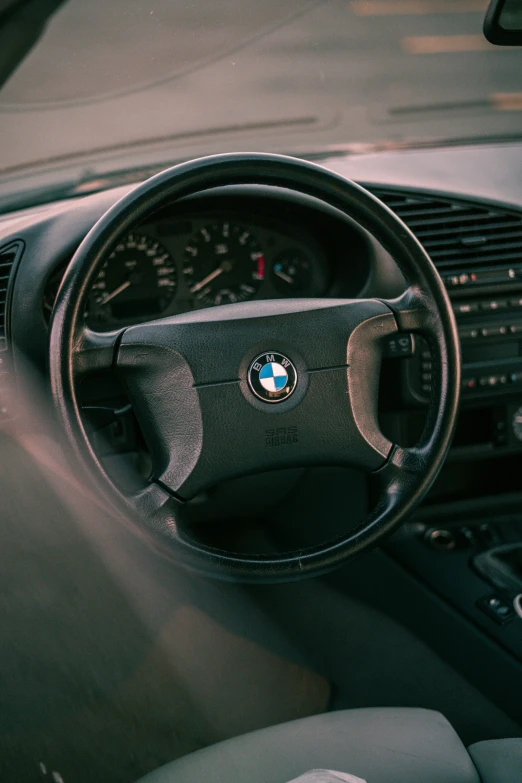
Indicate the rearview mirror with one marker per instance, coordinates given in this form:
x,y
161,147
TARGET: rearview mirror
x,y
503,23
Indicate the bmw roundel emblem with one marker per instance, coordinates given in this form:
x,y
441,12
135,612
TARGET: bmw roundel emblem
x,y
272,377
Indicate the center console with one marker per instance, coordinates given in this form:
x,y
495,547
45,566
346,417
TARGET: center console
x,y
453,572
488,310
465,542
474,562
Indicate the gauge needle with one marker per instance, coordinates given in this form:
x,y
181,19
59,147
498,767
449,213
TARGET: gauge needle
x,y
284,276
119,290
206,280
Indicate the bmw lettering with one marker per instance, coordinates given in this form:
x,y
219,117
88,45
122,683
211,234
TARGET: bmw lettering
x,y
272,377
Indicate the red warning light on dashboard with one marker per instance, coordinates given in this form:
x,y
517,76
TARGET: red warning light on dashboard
x,y
260,274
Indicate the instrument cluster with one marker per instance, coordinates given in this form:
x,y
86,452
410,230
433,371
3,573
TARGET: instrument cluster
x,y
172,265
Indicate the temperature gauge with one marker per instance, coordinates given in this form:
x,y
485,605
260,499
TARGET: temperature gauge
x,y
292,272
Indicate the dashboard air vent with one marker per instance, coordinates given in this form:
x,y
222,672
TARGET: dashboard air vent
x,y
459,235
9,254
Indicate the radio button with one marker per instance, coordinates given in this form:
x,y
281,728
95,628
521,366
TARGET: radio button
x,y
465,308
468,384
493,380
494,304
452,280
493,331
468,334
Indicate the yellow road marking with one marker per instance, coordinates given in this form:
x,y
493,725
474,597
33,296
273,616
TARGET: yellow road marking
x,y
507,101
395,7
435,44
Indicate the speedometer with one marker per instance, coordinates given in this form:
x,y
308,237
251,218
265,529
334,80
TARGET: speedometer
x,y
138,280
223,263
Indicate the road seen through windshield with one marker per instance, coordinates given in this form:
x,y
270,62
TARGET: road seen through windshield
x,y
300,76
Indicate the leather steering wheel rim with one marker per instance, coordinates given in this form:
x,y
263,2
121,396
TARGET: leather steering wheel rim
x,y
403,475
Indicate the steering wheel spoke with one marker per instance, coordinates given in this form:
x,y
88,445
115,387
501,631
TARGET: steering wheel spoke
x,y
412,311
159,508
95,351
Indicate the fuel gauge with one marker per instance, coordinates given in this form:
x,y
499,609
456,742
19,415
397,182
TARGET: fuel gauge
x,y
292,272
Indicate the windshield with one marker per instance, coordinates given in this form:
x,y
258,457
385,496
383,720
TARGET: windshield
x,y
185,79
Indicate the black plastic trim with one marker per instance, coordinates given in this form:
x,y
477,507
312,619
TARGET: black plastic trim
x,y
493,31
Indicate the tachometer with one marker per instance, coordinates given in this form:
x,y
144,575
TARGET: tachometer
x,y
138,280
223,263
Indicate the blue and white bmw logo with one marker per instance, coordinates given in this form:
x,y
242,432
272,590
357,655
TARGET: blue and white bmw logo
x,y
272,377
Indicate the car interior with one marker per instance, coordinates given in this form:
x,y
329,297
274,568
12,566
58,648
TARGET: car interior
x,y
261,455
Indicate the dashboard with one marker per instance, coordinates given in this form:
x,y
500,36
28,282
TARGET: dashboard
x,y
182,260
242,243
177,263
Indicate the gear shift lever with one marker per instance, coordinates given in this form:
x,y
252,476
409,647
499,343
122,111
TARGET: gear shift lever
x,y
502,567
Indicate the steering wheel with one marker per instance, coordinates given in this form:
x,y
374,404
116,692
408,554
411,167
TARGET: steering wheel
x,y
215,389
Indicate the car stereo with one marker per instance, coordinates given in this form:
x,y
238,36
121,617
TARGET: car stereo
x,y
488,308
